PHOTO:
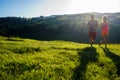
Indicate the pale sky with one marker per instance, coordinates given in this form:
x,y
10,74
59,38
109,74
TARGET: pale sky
x,y
34,8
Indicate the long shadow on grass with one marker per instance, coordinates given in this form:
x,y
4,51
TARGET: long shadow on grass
x,y
87,55
115,58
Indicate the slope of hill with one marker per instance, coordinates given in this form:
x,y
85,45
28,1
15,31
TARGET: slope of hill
x,y
59,27
27,59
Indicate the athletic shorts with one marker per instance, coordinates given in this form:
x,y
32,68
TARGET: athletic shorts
x,y
92,35
104,33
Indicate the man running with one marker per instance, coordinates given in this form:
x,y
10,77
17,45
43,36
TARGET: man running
x,y
92,25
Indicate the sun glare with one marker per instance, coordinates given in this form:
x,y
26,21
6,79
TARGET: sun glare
x,y
80,6
53,7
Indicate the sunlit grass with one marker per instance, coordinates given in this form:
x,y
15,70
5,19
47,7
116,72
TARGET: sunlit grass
x,y
55,60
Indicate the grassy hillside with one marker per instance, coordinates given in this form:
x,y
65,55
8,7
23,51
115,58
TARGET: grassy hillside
x,y
26,59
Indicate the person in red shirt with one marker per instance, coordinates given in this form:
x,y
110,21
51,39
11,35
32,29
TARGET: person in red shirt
x,y
104,31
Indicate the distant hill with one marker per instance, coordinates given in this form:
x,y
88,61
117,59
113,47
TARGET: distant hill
x,y
58,27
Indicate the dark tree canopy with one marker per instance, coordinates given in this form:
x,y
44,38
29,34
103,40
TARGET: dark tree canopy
x,y
58,27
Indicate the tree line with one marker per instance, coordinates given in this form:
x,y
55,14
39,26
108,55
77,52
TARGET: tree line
x,y
58,27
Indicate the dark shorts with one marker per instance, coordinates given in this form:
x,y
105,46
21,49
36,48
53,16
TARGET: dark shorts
x,y
92,35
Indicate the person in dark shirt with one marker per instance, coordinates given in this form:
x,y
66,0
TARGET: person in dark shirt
x,y
92,25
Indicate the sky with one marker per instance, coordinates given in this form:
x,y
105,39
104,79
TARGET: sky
x,y
35,8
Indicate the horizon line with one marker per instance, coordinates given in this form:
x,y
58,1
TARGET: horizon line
x,y
60,14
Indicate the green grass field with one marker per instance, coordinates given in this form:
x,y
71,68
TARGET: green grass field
x,y
27,59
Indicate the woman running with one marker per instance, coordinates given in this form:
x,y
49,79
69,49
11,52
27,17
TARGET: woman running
x,y
104,31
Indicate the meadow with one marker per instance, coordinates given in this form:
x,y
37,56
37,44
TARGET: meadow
x,y
28,59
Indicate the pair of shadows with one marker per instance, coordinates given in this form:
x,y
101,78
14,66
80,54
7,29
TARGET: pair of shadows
x,y
115,58
88,55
